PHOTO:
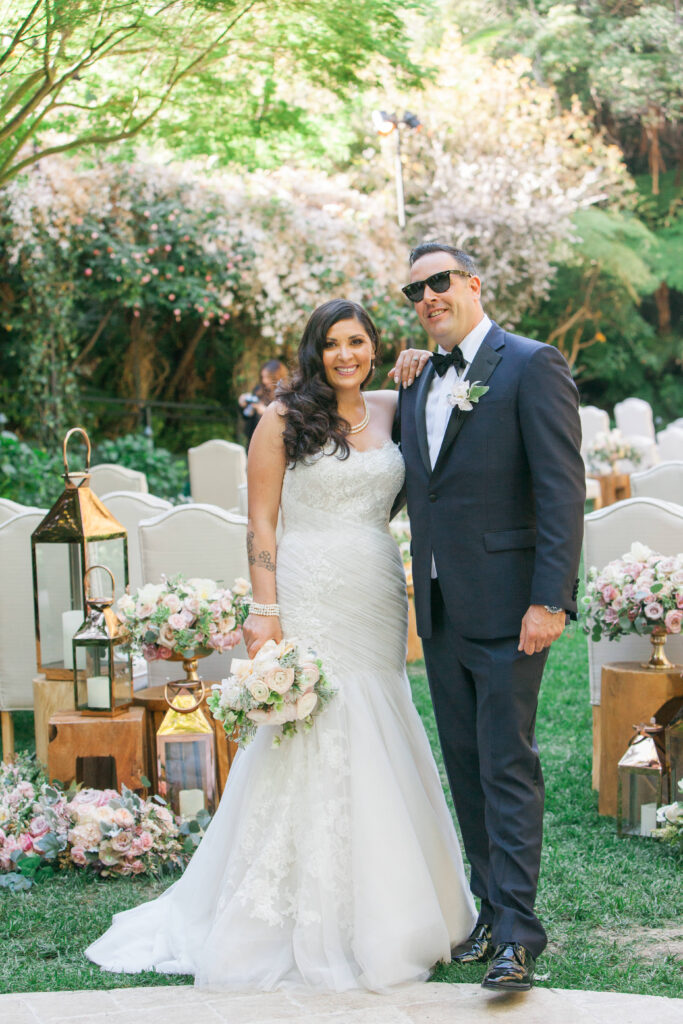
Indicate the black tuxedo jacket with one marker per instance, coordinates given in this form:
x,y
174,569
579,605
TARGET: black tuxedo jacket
x,y
502,508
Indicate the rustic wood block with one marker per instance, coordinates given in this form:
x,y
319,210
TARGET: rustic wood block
x,y
153,700
595,780
7,735
49,696
414,642
630,695
613,487
77,740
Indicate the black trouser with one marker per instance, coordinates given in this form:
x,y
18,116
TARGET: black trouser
x,y
485,695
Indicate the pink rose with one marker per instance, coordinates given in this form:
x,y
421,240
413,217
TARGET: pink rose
x,y
137,867
672,621
679,600
150,652
38,826
310,674
120,843
654,610
611,616
609,592
172,602
123,818
164,653
146,840
177,621
26,842
78,856
193,605
166,635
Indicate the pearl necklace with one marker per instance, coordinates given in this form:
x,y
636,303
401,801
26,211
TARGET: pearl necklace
x,y
364,422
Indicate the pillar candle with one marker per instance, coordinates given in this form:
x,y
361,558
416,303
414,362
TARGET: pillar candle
x,y
648,818
98,691
191,802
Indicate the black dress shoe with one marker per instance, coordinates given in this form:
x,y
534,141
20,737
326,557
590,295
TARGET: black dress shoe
x,y
511,969
476,949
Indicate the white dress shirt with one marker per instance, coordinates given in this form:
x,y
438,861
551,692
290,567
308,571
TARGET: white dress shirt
x,y
438,411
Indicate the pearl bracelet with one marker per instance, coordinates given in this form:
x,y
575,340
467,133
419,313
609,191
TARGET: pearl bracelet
x,y
264,609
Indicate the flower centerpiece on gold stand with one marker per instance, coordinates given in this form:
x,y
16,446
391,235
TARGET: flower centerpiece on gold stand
x,y
641,592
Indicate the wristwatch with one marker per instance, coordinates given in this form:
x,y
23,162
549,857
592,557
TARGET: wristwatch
x,y
553,609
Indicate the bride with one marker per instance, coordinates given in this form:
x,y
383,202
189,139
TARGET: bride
x,y
332,861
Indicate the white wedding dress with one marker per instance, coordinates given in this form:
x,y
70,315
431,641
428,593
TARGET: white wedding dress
x,y
332,861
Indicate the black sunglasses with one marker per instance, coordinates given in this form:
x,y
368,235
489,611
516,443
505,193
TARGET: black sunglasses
x,y
438,283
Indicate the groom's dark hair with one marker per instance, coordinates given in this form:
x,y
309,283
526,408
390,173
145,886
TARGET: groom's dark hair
x,y
466,261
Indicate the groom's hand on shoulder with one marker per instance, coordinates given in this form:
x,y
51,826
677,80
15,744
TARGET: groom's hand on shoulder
x,y
540,628
409,365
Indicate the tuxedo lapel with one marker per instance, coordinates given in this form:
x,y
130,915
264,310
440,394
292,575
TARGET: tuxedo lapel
x,y
421,413
483,365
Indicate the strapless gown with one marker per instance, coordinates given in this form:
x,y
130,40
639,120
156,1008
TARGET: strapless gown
x,y
332,861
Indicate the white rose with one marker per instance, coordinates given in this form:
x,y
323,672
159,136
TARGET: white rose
x,y
638,553
240,586
259,691
458,396
205,589
305,704
150,593
240,668
125,605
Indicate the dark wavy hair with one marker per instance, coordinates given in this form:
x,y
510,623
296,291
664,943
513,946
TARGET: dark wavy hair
x,y
311,416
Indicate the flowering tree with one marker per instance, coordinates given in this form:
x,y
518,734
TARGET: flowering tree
x,y
498,170
212,75
165,278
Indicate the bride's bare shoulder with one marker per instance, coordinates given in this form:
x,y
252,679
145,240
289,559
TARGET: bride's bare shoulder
x,y
382,399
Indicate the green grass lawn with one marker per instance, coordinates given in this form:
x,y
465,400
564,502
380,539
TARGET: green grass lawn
x,y
602,899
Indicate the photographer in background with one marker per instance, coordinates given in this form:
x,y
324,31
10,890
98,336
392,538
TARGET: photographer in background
x,y
253,403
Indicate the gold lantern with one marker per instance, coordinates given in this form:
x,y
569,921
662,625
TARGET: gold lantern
x,y
76,533
642,782
104,683
186,749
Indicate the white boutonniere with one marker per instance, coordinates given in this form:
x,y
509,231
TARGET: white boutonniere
x,y
464,395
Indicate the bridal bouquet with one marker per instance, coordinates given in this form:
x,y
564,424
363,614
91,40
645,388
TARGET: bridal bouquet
x,y
637,593
178,615
283,685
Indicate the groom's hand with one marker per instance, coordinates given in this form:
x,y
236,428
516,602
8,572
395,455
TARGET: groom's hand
x,y
540,628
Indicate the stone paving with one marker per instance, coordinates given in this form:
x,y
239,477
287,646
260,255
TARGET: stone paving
x,y
412,1004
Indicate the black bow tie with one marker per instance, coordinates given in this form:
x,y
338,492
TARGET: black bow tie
x,y
454,358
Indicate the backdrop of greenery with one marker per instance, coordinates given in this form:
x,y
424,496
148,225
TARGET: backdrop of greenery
x,y
177,196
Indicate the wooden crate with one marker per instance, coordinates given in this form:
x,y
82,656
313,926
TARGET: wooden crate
x,y
80,746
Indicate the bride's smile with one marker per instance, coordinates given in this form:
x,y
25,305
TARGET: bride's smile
x,y
347,355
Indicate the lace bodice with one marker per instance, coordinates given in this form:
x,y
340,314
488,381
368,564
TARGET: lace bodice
x,y
360,489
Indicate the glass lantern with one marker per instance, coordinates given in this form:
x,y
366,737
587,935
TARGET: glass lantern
x,y
673,738
104,683
76,533
186,757
642,782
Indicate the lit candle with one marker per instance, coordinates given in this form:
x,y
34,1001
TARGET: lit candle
x,y
98,691
191,802
70,623
648,818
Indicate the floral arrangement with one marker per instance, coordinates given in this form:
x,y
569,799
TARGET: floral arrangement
x,y
43,828
607,449
670,818
177,616
640,592
283,685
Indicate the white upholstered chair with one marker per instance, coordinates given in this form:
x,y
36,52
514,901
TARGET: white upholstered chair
x,y
130,507
664,481
242,500
109,476
217,468
670,443
9,509
634,418
677,423
17,630
593,421
608,534
195,540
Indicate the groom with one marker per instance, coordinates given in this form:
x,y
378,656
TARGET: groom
x,y
495,491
